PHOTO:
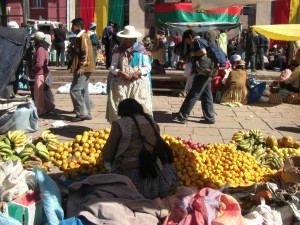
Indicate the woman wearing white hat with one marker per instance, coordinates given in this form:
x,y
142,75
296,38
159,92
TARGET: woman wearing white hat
x,y
40,71
129,74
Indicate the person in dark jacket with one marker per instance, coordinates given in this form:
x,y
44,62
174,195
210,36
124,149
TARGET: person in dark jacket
x,y
59,40
261,49
201,87
250,50
94,39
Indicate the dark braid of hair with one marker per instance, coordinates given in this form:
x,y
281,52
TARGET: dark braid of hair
x,y
165,155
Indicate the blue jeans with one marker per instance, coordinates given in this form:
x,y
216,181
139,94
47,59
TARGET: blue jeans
x,y
201,90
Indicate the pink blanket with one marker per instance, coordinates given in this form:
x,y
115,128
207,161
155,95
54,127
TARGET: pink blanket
x,y
209,207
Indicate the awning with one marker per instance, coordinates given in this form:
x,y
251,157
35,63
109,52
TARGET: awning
x,y
282,32
201,27
214,4
184,12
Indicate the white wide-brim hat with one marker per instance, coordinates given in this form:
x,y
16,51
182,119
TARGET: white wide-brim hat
x,y
129,32
39,35
13,24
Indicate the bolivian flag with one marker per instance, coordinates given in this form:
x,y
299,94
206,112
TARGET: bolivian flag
x,y
184,12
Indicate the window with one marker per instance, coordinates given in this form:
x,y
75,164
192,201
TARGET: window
x,y
38,3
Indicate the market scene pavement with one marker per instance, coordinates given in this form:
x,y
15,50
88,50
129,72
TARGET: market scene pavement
x,y
277,120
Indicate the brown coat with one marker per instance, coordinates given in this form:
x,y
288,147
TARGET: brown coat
x,y
83,57
236,79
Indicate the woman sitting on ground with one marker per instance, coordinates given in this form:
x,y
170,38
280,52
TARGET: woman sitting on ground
x,y
235,90
132,150
293,82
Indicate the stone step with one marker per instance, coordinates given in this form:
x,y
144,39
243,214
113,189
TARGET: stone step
x,y
172,80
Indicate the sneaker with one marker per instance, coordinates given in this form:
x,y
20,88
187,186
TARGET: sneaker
x,y
176,117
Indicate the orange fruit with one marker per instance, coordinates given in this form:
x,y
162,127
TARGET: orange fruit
x,y
77,154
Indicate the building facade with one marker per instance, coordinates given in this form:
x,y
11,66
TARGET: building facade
x,y
53,10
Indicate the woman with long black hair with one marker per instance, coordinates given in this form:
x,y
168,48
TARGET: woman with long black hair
x,y
135,149
40,71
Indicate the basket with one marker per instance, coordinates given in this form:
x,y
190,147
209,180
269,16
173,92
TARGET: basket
x,y
275,98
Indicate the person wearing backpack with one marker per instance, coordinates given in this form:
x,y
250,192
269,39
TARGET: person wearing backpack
x,y
204,60
94,39
135,149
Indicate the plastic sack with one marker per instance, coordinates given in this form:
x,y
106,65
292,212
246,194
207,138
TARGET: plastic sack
x,y
179,200
6,220
71,221
50,196
188,69
256,92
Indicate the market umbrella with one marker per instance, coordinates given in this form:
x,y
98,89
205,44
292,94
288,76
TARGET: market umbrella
x,y
282,32
216,4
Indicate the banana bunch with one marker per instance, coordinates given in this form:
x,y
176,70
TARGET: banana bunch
x,y
50,140
17,138
273,161
5,148
42,151
28,150
259,153
32,161
248,141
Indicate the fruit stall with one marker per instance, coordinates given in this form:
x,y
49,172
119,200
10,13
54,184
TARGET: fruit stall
x,y
245,169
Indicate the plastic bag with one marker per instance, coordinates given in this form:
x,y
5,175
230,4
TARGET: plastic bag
x,y
256,92
50,196
188,69
71,221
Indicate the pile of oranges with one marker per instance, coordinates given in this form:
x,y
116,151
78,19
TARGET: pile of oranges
x,y
215,166
83,155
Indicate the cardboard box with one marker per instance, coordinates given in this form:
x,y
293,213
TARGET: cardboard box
x,y
27,209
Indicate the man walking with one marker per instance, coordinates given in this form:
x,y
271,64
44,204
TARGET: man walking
x,y
94,39
250,50
106,39
59,40
82,67
201,87
261,49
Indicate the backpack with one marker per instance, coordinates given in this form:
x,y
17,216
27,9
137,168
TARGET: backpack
x,y
216,54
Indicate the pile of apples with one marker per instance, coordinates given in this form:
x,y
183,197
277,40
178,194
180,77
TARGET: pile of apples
x,y
198,147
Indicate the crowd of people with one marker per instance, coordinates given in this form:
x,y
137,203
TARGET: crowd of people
x,y
134,147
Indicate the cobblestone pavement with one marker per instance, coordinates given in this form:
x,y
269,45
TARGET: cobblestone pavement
x,y
277,120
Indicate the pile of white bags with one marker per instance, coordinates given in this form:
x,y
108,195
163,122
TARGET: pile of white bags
x,y
94,89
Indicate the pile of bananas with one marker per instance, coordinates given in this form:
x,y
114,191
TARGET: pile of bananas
x,y
50,140
25,154
42,151
273,161
17,139
265,150
16,146
6,152
251,141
